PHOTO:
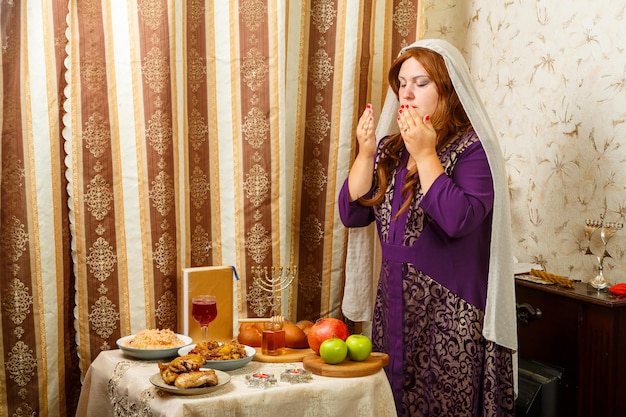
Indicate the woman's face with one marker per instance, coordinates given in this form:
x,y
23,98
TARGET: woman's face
x,y
416,89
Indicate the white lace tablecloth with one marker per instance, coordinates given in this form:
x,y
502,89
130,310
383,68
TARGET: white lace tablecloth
x,y
117,385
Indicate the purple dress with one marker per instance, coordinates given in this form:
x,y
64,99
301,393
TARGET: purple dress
x,y
432,290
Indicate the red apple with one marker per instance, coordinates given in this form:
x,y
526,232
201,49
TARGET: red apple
x,y
326,328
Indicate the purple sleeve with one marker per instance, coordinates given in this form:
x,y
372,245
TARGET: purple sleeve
x,y
460,203
352,213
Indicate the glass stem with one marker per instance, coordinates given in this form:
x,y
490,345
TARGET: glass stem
x,y
205,333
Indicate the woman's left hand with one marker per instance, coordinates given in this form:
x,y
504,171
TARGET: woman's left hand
x,y
417,132
420,140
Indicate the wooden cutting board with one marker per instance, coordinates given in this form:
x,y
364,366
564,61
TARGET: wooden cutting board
x,y
347,368
289,355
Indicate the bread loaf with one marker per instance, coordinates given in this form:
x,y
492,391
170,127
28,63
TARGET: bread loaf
x,y
294,336
251,334
305,325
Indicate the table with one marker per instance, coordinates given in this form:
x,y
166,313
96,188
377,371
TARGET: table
x,y
118,385
580,330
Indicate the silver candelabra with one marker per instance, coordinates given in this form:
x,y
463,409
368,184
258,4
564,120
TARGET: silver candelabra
x,y
607,231
273,281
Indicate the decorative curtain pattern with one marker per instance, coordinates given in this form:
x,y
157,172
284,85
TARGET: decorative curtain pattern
x,y
142,137
122,170
39,372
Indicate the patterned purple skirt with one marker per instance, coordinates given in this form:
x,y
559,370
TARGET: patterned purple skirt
x,y
440,363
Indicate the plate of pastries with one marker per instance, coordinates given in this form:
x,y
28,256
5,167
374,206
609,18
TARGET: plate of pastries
x,y
224,356
185,375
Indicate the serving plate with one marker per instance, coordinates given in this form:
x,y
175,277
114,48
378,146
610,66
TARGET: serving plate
x,y
222,379
223,365
151,354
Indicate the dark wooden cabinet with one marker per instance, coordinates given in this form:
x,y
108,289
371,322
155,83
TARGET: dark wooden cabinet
x,y
582,331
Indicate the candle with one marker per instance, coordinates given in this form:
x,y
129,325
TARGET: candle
x,y
296,375
261,380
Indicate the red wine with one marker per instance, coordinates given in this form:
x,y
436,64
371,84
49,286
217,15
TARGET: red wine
x,y
204,312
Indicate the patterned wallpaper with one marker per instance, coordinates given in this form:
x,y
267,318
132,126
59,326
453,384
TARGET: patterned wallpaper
x,y
553,75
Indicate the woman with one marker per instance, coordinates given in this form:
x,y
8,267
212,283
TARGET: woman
x,y
445,304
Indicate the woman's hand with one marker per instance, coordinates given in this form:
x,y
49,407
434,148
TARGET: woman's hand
x,y
418,133
366,133
420,140
362,170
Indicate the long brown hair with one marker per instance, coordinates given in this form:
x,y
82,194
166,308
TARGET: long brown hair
x,y
449,120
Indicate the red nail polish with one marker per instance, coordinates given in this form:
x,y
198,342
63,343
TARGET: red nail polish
x,y
427,118
369,106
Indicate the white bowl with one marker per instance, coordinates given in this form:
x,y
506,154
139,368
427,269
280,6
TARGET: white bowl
x,y
151,354
223,365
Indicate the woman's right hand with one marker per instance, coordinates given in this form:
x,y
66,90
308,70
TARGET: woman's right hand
x,y
362,170
366,133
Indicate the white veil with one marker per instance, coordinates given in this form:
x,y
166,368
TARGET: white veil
x,y
500,325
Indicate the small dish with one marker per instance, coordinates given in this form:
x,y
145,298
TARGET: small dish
x,y
261,380
222,379
296,375
223,365
151,354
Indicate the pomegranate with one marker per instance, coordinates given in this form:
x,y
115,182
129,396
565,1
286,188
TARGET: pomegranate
x,y
326,328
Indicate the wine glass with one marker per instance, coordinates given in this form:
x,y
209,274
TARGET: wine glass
x,y
204,311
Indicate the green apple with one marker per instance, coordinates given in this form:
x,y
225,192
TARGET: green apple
x,y
333,350
359,347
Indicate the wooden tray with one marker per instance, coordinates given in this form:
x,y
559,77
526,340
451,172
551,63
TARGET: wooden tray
x,y
289,355
347,368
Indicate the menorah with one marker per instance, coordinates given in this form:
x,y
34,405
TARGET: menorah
x,y
607,231
273,281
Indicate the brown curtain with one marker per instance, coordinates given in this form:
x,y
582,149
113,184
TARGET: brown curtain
x,y
142,137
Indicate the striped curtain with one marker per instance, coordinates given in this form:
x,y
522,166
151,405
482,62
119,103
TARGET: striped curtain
x,y
142,137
